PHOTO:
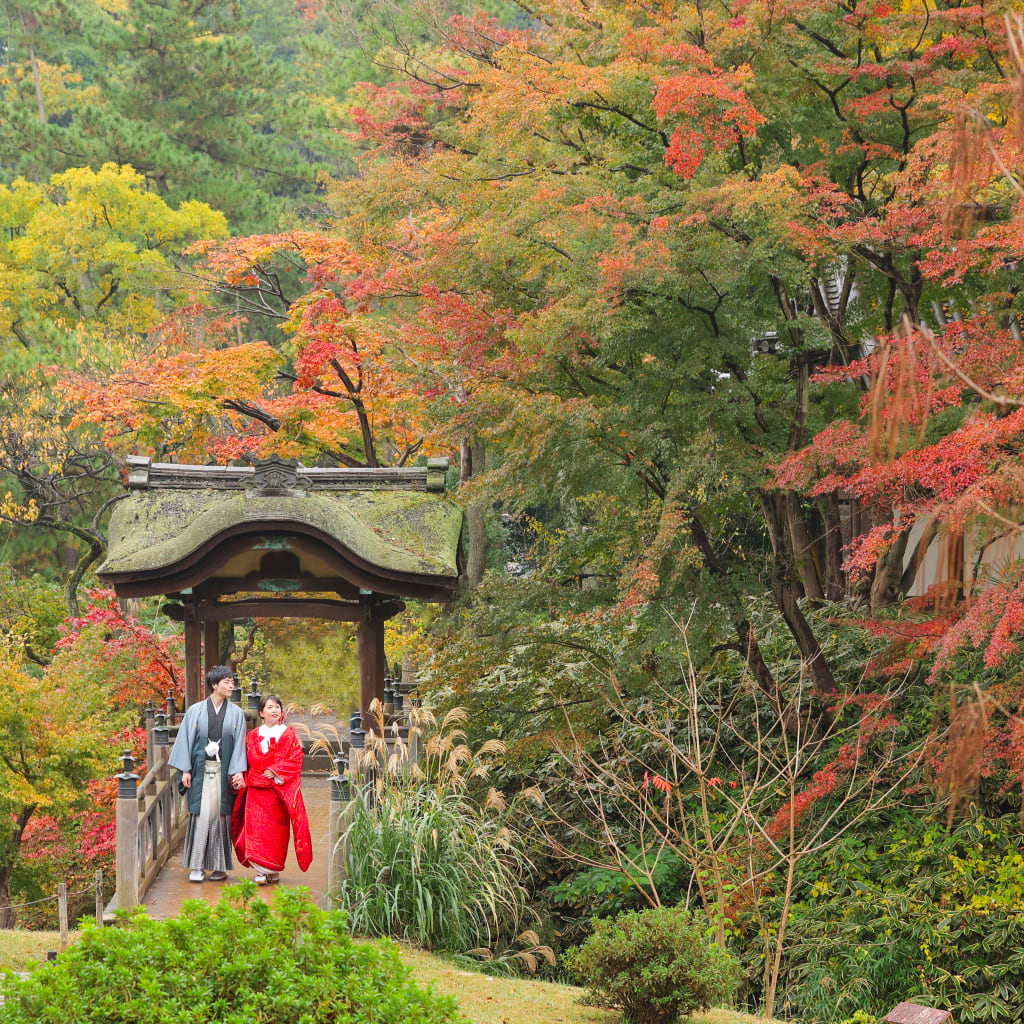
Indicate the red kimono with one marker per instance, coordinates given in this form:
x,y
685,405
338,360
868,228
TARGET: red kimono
x,y
264,809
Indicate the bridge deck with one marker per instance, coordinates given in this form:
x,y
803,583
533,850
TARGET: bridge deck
x,y
172,887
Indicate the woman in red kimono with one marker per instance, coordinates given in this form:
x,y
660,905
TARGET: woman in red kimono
x,y
271,799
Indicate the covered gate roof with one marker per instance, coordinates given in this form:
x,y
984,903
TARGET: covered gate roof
x,y
282,527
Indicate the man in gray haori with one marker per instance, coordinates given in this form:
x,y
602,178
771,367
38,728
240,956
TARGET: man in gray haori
x,y
209,751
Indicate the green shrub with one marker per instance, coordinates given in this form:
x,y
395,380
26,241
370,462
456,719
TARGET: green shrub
x,y
435,857
655,964
920,912
238,962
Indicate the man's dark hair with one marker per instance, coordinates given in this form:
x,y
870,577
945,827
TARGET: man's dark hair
x,y
216,674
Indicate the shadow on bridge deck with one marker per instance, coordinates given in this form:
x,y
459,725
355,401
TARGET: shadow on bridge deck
x,y
172,887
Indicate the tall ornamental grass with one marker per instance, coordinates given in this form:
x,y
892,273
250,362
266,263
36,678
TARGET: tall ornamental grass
x,y
434,852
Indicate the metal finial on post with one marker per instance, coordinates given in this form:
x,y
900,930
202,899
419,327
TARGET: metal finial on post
x,y
254,696
126,778
160,730
355,720
236,695
340,788
172,711
150,710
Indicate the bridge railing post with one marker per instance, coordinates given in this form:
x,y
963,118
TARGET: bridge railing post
x,y
127,842
339,816
415,735
161,756
150,717
356,748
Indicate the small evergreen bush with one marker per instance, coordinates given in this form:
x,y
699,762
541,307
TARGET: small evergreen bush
x,y
236,963
654,964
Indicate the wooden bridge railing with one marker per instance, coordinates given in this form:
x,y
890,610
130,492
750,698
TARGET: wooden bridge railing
x,y
151,815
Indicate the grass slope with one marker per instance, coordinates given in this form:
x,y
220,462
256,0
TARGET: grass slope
x,y
485,1000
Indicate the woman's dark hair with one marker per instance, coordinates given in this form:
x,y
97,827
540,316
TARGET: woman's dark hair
x,y
216,674
267,698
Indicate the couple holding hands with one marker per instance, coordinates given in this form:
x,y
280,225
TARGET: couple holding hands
x,y
243,791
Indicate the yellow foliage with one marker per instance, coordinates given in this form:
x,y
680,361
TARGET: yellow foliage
x,y
93,247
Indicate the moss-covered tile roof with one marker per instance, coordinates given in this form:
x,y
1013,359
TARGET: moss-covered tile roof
x,y
395,530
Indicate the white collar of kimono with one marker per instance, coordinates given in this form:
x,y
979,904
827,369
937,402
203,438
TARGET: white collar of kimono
x,y
270,732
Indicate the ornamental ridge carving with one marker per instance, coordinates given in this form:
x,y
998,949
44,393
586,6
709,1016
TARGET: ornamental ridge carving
x,y
275,473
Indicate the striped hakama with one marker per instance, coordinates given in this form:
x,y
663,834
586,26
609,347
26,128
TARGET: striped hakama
x,y
208,837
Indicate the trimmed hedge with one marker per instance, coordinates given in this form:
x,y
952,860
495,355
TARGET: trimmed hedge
x,y
240,962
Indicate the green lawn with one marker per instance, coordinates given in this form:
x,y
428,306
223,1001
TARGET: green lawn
x,y
497,1000
17,947
484,999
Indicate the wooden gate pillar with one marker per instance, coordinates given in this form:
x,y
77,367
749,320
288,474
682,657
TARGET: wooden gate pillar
x,y
193,655
370,638
211,644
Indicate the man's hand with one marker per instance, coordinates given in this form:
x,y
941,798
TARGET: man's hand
x,y
186,779
237,780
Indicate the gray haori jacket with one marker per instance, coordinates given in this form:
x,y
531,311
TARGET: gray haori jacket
x,y
189,752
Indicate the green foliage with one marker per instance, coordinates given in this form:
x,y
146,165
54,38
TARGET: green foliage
x,y
924,913
31,611
181,92
306,662
606,891
433,860
54,740
241,961
656,964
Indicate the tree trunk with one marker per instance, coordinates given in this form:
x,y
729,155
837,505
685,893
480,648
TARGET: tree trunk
x,y
751,652
802,547
785,598
833,581
748,645
888,578
476,517
817,664
8,916
38,83
780,938
74,581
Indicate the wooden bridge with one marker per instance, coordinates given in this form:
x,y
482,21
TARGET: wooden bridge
x,y
152,815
